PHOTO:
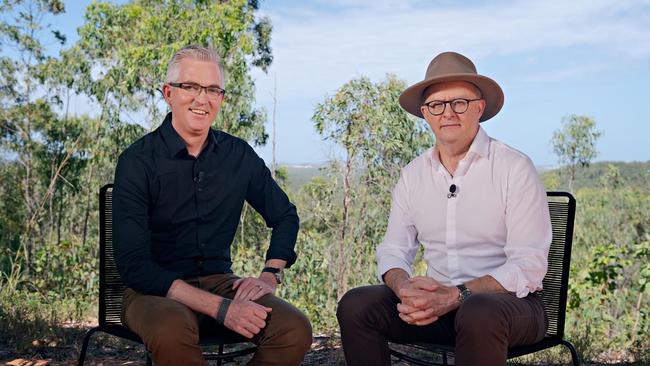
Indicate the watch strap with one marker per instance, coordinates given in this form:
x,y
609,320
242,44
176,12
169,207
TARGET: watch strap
x,y
463,293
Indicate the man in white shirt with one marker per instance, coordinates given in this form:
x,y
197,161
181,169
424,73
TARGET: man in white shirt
x,y
478,208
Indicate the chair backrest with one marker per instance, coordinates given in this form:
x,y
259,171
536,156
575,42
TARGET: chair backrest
x,y
111,287
562,207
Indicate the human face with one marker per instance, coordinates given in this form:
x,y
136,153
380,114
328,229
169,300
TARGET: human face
x,y
451,128
192,115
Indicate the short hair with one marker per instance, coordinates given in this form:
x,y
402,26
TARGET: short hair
x,y
195,52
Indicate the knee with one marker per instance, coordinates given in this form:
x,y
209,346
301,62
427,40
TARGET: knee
x,y
289,328
482,314
354,306
301,331
173,328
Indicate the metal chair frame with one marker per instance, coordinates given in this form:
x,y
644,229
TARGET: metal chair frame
x,y
111,289
562,207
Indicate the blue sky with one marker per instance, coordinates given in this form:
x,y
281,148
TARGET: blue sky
x,y
551,58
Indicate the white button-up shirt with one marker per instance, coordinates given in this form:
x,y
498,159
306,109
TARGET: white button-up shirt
x,y
498,223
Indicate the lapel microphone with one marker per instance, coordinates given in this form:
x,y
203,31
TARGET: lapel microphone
x,y
452,191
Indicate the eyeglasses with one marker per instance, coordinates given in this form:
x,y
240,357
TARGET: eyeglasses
x,y
194,89
458,105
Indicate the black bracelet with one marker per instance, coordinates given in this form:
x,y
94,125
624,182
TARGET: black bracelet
x,y
223,310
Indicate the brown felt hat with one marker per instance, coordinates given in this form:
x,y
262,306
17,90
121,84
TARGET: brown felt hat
x,y
452,66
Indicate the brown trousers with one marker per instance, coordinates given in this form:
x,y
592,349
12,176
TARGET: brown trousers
x,y
170,330
482,329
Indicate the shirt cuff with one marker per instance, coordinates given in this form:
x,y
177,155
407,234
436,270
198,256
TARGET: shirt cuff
x,y
511,278
386,264
166,281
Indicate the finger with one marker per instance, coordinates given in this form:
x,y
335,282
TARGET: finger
x,y
245,332
426,286
406,309
261,311
260,323
413,293
405,318
257,291
245,290
426,321
237,283
252,328
421,315
262,292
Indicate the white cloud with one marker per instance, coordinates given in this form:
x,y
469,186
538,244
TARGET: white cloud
x,y
321,50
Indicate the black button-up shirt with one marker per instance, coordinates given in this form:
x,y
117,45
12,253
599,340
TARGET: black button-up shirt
x,y
175,216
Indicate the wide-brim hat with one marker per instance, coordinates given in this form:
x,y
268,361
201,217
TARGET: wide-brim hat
x,y
452,66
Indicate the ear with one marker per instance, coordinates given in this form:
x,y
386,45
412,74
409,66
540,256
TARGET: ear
x,y
481,107
423,109
167,93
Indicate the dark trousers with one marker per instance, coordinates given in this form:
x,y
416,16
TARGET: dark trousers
x,y
170,330
482,329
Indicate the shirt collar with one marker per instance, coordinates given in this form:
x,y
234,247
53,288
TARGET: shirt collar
x,y
480,147
481,144
175,143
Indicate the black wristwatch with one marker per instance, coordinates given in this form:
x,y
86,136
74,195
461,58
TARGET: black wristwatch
x,y
464,293
277,272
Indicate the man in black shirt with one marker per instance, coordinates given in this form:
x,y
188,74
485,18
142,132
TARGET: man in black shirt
x,y
178,196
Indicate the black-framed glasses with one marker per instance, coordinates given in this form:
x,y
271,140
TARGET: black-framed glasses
x,y
213,92
458,105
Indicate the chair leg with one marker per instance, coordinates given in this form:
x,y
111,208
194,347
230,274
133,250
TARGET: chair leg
x,y
220,354
574,354
84,346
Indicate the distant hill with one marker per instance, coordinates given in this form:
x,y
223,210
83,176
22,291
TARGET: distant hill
x,y
632,173
301,174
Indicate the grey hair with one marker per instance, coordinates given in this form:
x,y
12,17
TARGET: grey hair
x,y
195,52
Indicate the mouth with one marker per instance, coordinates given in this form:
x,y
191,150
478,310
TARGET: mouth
x,y
451,125
199,112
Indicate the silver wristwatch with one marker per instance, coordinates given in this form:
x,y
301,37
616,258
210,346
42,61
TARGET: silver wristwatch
x,y
464,293
277,272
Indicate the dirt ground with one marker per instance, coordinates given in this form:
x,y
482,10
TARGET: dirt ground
x,y
111,351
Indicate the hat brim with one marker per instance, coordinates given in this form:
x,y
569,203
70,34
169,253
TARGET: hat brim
x,y
411,98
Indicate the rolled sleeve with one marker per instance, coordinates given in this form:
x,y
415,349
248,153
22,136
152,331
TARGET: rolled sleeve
x,y
529,233
400,244
132,237
267,198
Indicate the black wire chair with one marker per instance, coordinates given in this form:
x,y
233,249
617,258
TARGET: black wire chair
x,y
562,207
111,289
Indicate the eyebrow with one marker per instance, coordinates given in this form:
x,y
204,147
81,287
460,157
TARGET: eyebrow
x,y
205,86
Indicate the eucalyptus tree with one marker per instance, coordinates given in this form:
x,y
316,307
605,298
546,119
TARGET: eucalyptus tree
x,y
130,45
377,139
575,143
25,107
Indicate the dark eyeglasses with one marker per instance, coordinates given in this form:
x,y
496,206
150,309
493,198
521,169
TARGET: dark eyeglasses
x,y
458,105
194,89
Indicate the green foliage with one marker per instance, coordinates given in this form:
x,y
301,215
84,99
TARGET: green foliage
x,y
575,143
132,43
608,297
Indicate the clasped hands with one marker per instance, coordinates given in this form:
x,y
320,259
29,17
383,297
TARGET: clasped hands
x,y
244,316
424,300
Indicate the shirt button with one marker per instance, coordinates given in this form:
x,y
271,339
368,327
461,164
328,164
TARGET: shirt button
x,y
200,263
200,189
202,245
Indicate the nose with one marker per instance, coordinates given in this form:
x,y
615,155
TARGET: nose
x,y
202,96
448,112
